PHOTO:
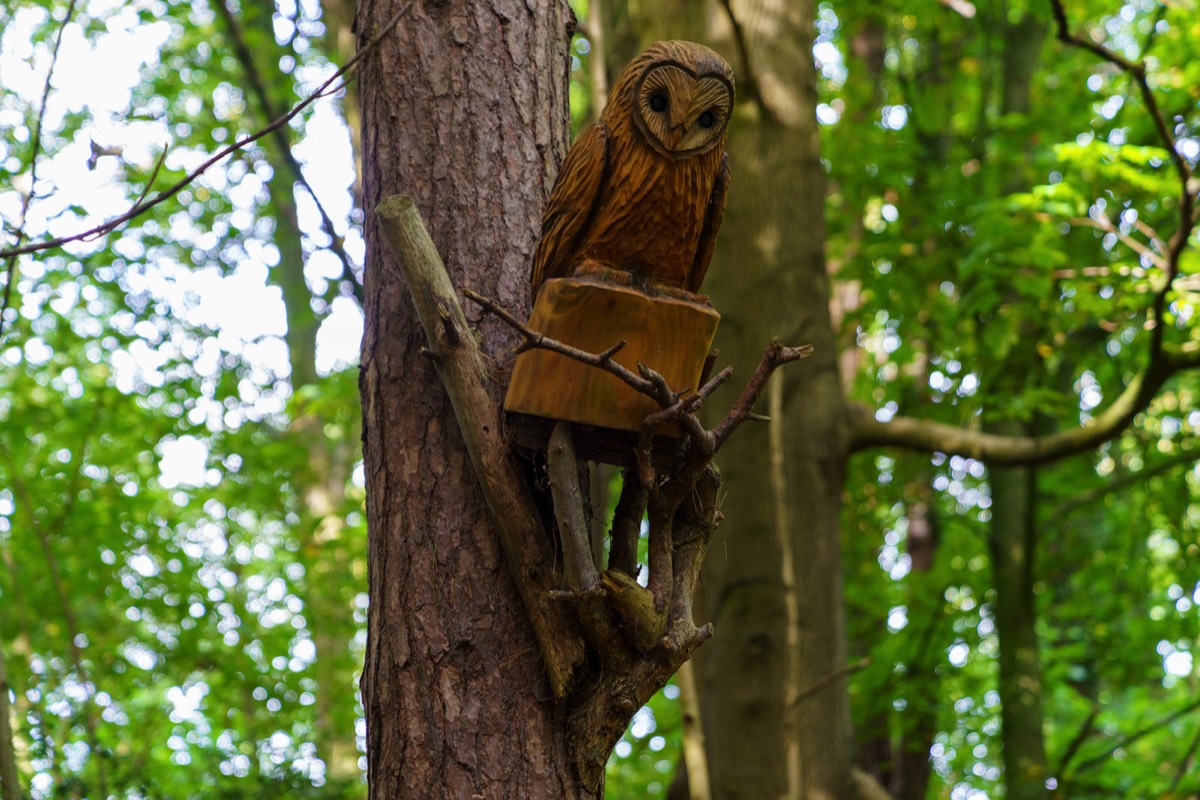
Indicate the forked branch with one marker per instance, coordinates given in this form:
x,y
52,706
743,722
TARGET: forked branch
x,y
608,643
1162,359
326,88
665,494
1136,70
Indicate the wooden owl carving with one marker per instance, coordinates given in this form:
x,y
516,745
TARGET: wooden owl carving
x,y
642,191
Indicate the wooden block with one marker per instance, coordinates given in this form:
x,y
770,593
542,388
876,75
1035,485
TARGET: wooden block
x,y
668,334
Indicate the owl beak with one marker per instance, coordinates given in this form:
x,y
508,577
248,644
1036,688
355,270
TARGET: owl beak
x,y
675,135
680,123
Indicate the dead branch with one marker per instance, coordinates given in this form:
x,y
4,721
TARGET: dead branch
x,y
142,207
10,268
283,143
460,365
563,468
627,525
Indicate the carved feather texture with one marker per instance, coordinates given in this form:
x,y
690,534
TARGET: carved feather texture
x,y
643,190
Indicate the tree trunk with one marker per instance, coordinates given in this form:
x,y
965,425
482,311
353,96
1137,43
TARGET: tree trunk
x,y
320,481
464,108
1012,539
776,589
10,782
1012,534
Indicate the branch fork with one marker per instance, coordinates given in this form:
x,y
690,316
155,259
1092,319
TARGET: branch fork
x,y
608,643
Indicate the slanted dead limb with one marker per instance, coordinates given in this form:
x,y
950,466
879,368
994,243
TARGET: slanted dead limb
x,y
460,365
563,468
608,642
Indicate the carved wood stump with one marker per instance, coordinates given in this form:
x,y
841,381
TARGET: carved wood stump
x,y
670,334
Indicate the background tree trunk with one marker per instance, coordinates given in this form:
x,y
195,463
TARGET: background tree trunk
x,y
1013,536
773,578
1013,532
770,280
464,108
320,481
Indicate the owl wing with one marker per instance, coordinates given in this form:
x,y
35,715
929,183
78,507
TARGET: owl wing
x,y
712,223
572,206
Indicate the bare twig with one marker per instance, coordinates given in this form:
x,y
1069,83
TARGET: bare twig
x,y
1125,741
682,412
283,143
749,78
775,356
832,677
1115,485
167,194
535,340
1137,72
1081,736
10,268
1105,224
158,163
1185,763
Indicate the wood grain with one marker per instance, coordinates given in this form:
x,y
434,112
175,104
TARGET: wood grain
x,y
670,335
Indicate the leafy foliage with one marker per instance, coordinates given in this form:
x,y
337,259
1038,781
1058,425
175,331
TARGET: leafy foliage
x,y
181,530
1005,229
166,616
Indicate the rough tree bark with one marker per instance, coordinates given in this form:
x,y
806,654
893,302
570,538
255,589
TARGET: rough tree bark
x,y
464,108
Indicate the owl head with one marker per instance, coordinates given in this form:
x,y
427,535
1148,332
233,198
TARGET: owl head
x,y
679,95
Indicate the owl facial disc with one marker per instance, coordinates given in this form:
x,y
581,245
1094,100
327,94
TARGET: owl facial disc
x,y
680,112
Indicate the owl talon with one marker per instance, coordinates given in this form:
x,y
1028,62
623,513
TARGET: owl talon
x,y
681,294
615,277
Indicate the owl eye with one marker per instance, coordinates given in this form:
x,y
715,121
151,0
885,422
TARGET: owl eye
x,y
707,119
658,103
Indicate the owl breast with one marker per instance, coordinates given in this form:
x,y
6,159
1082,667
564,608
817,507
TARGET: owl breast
x,y
651,215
